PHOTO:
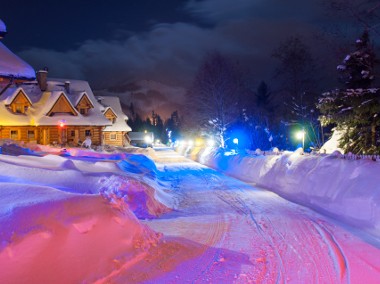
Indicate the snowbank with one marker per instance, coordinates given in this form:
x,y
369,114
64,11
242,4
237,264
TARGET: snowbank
x,y
50,236
349,190
128,176
71,215
332,144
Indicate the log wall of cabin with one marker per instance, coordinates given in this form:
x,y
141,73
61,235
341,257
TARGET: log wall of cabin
x,y
22,133
53,134
119,141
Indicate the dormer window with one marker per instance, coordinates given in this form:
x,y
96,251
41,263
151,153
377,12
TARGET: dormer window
x,y
84,105
62,105
20,103
110,115
19,108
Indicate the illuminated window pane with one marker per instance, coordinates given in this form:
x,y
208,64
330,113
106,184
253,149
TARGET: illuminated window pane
x,y
14,134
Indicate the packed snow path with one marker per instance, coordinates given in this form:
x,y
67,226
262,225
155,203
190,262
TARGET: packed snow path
x,y
248,235
91,217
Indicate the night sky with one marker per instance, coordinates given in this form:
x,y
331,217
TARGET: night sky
x,y
113,42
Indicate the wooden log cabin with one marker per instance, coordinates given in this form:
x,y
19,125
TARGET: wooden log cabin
x,y
57,116
117,133
57,112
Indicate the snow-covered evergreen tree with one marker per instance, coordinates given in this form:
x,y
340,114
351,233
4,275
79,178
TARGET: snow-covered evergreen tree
x,y
357,69
356,110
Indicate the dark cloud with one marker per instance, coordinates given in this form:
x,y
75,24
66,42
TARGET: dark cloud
x,y
248,30
169,53
221,10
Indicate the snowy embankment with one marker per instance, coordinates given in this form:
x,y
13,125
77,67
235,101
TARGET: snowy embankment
x,y
67,218
348,190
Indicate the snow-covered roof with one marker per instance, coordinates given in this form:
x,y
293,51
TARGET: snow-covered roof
x,y
13,66
79,96
3,28
120,123
10,94
42,103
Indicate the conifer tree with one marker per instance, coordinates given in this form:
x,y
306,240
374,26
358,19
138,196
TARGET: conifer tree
x,y
355,111
357,69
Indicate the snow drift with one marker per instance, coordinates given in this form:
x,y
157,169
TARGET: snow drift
x,y
51,236
71,215
346,189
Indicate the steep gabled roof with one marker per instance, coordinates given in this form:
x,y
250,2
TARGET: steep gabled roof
x,y
11,94
43,104
83,96
59,99
113,103
109,109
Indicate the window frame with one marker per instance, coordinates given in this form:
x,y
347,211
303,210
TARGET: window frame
x,y
31,131
17,133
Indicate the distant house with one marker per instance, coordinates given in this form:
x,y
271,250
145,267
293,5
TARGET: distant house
x,y
65,113
117,133
54,111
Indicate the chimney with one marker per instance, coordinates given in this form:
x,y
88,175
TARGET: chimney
x,y
67,87
42,79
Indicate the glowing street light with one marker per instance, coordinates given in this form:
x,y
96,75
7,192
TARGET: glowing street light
x,y
235,141
301,136
210,142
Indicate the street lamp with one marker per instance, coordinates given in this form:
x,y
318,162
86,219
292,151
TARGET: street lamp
x,y
235,141
210,142
301,136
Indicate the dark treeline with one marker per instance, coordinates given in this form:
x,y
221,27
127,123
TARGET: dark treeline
x,y
222,101
226,102
164,131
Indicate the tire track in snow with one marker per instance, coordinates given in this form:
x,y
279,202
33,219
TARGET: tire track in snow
x,y
305,232
216,234
241,208
285,240
335,251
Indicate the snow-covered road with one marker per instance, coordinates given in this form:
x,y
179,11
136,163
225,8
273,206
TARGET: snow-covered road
x,y
91,217
237,233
